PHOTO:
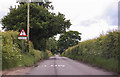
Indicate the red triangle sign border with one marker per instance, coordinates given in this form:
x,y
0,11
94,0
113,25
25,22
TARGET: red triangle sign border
x,y
21,32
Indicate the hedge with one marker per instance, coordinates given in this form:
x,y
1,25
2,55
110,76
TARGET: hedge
x,y
11,52
103,51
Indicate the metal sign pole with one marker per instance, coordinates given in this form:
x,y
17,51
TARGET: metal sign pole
x,y
22,46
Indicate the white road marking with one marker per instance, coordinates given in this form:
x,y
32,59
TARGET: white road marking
x,y
55,65
51,65
58,65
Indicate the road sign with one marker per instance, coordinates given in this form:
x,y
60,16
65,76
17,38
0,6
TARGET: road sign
x,y
24,38
22,33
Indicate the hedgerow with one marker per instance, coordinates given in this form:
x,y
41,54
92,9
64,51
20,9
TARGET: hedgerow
x,y
11,52
102,51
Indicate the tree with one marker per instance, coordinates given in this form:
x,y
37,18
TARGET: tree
x,y
68,39
44,3
51,45
43,24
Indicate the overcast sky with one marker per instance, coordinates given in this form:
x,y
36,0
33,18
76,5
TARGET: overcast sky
x,y
89,17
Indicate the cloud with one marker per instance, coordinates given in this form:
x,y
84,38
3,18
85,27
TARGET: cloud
x,y
89,17
93,30
119,16
95,11
111,14
5,5
88,22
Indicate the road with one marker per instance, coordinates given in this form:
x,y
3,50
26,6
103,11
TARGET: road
x,y
65,66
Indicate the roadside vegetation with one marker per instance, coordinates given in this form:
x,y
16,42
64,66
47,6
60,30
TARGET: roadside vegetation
x,y
102,51
11,52
44,25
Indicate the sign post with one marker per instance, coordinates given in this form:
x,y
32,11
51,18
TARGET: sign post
x,y
22,33
22,46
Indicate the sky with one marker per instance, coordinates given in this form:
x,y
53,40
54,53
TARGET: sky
x,y
89,17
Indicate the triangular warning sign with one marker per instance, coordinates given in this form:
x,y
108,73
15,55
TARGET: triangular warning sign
x,y
22,33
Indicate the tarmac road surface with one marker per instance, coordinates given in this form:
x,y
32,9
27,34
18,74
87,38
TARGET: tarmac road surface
x,y
65,66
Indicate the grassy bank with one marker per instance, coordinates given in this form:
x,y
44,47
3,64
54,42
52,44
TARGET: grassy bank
x,y
11,52
102,51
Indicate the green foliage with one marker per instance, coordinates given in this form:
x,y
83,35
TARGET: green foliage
x,y
11,52
102,51
43,24
47,54
45,4
68,39
51,45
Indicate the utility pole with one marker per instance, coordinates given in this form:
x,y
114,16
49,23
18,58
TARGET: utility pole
x,y
28,9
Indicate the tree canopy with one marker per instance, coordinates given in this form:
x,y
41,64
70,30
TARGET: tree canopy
x,y
44,3
68,39
43,24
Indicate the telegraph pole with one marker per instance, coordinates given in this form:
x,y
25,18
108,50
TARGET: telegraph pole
x,y
28,9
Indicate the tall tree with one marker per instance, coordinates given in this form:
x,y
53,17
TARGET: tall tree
x,y
44,3
68,39
43,24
